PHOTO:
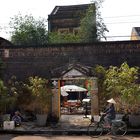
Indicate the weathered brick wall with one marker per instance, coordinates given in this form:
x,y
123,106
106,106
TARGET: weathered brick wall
x,y
28,61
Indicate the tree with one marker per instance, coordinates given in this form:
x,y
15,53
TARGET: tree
x,y
122,82
119,83
101,27
28,31
88,29
92,27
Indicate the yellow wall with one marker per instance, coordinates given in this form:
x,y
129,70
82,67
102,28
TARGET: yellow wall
x,y
134,36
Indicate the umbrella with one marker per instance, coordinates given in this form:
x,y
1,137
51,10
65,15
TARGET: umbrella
x,y
72,88
64,93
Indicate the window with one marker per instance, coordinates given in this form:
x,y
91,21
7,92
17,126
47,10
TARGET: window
x,y
75,31
63,31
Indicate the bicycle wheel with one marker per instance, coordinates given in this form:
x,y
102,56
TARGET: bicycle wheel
x,y
119,128
95,129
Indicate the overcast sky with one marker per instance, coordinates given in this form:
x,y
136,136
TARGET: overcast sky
x,y
119,15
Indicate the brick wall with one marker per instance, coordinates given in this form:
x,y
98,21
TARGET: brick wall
x,y
26,61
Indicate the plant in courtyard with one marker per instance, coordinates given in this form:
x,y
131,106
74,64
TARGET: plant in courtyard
x,y
121,82
7,99
22,92
41,93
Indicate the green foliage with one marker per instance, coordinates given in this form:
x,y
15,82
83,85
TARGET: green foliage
x,y
122,82
41,94
28,31
88,30
55,37
92,27
7,99
101,27
121,79
34,96
24,94
100,72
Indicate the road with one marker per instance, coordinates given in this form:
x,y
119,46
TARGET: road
x,y
45,137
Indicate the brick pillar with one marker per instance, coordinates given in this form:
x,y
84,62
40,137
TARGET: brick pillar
x,y
94,97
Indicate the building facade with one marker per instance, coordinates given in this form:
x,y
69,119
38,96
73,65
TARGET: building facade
x,y
135,34
66,19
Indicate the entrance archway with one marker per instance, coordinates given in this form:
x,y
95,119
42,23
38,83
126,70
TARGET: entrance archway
x,y
77,77
72,95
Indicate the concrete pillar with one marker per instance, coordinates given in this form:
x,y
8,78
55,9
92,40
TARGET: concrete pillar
x,y
56,99
94,97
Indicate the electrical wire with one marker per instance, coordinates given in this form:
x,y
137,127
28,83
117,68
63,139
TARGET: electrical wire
x,y
122,16
123,22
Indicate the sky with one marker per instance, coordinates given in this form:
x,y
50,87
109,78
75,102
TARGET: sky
x,y
120,16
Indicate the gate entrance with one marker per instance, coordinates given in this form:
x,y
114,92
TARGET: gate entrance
x,y
75,92
72,94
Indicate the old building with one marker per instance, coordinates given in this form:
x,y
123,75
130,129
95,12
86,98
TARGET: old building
x,y
4,42
135,34
65,19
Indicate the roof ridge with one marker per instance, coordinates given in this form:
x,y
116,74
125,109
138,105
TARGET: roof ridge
x,y
73,5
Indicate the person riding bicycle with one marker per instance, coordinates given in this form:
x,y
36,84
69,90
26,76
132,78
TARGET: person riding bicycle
x,y
110,112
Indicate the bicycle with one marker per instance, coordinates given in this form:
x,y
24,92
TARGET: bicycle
x,y
118,127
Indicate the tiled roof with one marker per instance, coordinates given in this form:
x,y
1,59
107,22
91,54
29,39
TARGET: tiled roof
x,y
4,42
137,29
64,69
69,10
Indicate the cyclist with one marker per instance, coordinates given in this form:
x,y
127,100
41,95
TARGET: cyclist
x,y
110,112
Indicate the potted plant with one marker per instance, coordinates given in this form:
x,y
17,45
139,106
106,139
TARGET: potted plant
x,y
3,100
8,98
41,103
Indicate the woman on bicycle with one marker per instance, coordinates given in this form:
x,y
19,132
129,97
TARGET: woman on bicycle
x,y
110,112
106,123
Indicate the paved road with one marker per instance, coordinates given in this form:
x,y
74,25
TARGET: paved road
x,y
45,137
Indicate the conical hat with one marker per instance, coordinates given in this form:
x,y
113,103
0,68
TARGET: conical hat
x,y
111,101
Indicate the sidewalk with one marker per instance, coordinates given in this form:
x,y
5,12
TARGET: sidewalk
x,y
68,125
